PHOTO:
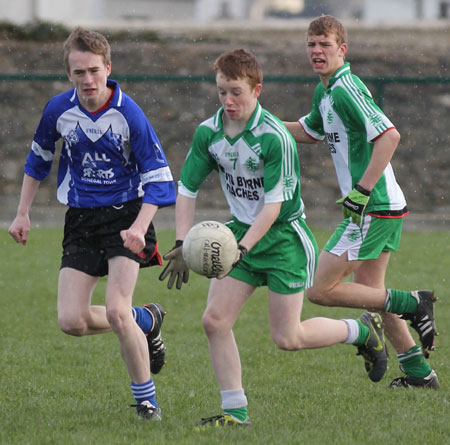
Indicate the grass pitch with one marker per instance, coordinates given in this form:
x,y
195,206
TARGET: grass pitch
x,y
56,389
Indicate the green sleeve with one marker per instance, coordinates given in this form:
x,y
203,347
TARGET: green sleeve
x,y
350,114
199,163
314,119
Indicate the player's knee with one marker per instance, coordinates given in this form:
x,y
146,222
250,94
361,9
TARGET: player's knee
x,y
286,343
213,324
209,323
318,296
116,318
70,326
312,294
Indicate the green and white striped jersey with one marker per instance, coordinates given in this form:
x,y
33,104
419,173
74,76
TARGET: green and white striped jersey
x,y
346,115
258,166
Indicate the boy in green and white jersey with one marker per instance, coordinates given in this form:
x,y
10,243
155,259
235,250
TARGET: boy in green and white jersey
x,y
362,141
345,114
244,166
257,162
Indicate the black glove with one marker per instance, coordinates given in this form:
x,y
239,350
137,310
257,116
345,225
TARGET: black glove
x,y
241,252
354,203
177,268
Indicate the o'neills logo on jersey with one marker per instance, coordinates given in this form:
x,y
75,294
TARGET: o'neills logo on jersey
x,y
93,131
242,187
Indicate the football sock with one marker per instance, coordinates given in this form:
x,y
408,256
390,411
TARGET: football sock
x,y
400,302
238,413
234,403
353,331
144,391
142,318
363,334
413,363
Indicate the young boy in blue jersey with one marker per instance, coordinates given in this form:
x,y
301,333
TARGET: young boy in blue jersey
x,y
362,141
113,176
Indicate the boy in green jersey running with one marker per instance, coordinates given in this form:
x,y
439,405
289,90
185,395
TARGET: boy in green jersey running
x,y
258,165
362,141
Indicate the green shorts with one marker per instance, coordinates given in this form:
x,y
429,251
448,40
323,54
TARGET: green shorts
x,y
367,242
284,259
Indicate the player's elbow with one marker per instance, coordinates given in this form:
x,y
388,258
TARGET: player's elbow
x,y
395,136
390,138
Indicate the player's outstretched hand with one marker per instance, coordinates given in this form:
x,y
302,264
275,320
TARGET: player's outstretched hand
x,y
354,203
176,268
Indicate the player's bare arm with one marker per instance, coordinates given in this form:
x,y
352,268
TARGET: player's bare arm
x,y
134,237
298,132
20,227
184,214
383,150
261,225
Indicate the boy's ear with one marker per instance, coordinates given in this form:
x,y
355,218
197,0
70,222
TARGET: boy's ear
x,y
257,90
343,49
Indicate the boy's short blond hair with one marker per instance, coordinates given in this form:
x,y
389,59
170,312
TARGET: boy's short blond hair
x,y
326,25
239,64
87,41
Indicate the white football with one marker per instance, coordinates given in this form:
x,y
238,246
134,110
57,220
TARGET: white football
x,y
210,249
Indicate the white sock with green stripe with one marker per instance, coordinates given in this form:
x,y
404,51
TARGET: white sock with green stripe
x,y
234,402
353,331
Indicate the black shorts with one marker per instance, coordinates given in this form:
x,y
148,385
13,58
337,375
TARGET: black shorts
x,y
92,236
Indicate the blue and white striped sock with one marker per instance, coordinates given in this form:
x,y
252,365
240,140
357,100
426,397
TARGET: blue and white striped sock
x,y
144,391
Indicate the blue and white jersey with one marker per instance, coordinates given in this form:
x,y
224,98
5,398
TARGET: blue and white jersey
x,y
108,157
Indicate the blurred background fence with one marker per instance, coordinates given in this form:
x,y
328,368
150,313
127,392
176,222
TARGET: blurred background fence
x,y
378,90
170,77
